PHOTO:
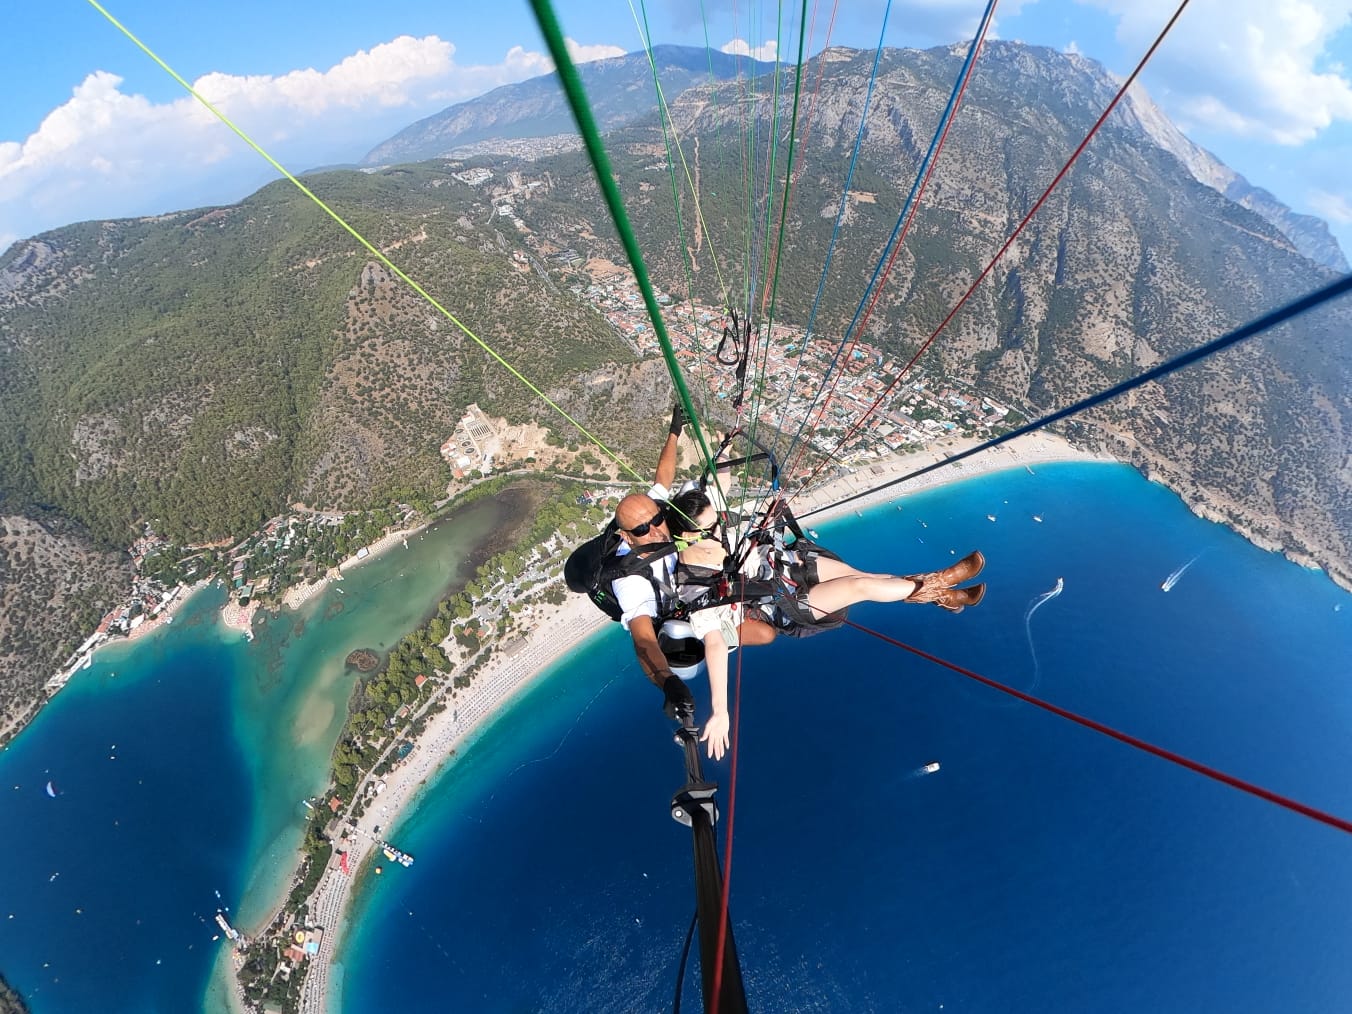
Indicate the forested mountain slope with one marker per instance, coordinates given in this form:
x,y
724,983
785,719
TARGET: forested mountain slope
x,y
203,369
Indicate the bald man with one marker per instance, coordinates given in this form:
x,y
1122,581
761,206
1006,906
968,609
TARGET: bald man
x,y
647,598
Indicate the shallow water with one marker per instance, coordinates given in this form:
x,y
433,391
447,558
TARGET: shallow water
x,y
108,900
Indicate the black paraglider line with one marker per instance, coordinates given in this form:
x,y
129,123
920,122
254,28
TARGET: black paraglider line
x,y
1255,327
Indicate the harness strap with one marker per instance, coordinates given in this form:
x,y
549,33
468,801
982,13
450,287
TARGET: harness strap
x,y
640,562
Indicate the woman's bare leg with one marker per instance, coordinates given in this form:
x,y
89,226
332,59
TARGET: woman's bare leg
x,y
839,593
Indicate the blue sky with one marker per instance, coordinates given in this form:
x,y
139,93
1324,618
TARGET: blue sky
x,y
92,128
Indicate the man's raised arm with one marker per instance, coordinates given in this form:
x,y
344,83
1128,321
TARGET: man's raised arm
x,y
666,461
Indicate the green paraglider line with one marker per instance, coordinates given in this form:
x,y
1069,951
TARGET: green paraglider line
x,y
605,176
364,242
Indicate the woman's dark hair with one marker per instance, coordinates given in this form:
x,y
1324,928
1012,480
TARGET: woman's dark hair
x,y
683,510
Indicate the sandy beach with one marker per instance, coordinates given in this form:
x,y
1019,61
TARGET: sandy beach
x,y
561,628
238,617
1032,449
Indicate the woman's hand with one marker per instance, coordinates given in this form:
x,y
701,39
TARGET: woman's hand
x,y
716,734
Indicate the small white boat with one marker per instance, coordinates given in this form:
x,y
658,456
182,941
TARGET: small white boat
x,y
931,767
1037,518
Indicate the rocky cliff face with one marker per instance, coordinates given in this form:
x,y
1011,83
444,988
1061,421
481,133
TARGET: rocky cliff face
x,y
1309,235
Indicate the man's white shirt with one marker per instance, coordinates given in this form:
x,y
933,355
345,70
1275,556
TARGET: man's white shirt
x,y
634,592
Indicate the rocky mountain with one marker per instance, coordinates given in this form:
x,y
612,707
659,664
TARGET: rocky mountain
x,y
621,93
1310,235
620,90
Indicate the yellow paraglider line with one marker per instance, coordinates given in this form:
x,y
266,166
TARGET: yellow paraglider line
x,y
362,239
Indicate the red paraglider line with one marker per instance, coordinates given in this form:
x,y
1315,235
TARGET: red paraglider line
x,y
1122,737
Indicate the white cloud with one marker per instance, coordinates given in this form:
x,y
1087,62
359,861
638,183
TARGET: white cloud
x,y
106,153
1260,69
1335,207
740,47
586,54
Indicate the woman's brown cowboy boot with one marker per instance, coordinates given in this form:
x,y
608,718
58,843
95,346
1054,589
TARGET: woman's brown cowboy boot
x,y
952,599
964,570
937,586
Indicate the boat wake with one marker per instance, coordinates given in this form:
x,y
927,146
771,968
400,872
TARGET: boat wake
x,y
1033,607
1174,578
555,752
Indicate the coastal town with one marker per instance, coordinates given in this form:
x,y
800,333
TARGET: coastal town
x,y
849,401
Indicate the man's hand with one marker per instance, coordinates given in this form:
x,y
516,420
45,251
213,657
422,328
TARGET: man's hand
x,y
677,420
716,735
679,703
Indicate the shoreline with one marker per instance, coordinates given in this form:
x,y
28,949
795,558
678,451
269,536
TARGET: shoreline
x,y
297,595
181,595
561,628
1038,448
178,599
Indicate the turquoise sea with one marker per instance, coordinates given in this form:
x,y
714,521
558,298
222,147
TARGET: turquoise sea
x,y
179,764
1042,867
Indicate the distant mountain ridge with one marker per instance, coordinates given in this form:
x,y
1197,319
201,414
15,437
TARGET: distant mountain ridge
x,y
620,90
1310,235
621,94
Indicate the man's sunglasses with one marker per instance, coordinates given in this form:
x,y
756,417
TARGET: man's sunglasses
x,y
647,526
